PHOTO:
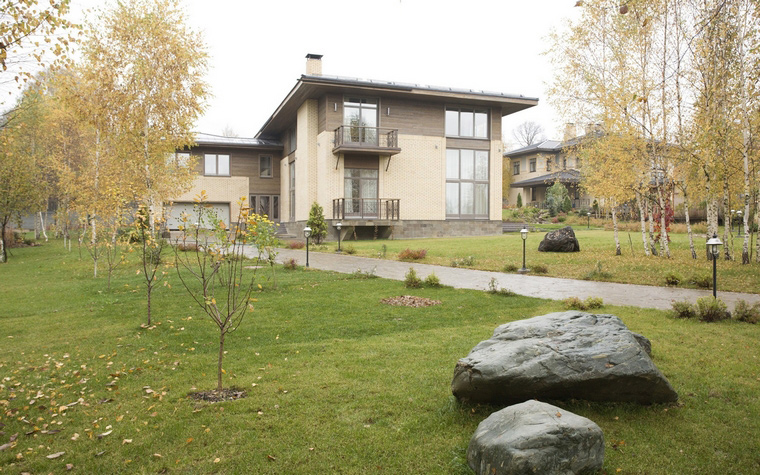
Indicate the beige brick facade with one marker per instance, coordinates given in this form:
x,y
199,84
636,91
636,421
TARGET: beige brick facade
x,y
220,189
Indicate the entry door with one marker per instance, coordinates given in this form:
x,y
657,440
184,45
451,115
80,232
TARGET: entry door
x,y
268,205
361,193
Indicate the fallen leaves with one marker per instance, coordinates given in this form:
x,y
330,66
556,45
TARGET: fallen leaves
x,y
410,301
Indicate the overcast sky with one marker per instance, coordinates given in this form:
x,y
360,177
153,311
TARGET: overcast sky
x,y
258,49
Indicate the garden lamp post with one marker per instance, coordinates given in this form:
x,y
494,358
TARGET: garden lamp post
x,y
731,225
338,225
524,236
588,219
307,233
740,225
713,247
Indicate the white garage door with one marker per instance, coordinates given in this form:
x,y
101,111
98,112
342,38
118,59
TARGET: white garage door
x,y
222,211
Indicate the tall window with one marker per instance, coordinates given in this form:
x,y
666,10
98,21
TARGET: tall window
x,y
217,165
532,164
466,183
462,122
361,192
292,190
516,168
265,166
548,164
360,119
292,139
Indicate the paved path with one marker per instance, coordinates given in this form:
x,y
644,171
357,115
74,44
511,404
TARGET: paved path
x,y
644,296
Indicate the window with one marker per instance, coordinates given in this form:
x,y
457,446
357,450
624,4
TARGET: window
x,y
217,165
548,164
292,190
268,205
564,163
466,123
183,158
360,119
515,168
292,139
265,166
361,192
532,164
466,183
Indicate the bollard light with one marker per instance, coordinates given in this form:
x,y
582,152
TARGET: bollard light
x,y
588,219
338,225
524,236
713,247
307,233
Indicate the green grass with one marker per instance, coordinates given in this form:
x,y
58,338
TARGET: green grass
x,y
342,383
494,252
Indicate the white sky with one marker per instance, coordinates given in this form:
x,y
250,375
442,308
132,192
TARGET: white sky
x,y
258,48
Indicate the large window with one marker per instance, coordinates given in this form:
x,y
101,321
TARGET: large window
x,y
217,165
265,166
466,183
361,192
516,168
268,205
292,190
532,164
360,119
462,122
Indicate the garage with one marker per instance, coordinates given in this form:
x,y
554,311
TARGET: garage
x,y
222,211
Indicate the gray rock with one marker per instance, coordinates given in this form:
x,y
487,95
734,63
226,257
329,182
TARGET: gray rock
x,y
535,437
561,240
566,355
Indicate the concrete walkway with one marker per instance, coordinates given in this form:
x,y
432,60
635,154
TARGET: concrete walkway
x,y
644,296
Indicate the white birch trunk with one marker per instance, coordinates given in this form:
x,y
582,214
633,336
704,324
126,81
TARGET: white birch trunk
x,y
642,219
42,227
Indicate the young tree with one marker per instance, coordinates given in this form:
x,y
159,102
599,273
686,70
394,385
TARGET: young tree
x,y
209,263
555,198
317,223
263,235
519,200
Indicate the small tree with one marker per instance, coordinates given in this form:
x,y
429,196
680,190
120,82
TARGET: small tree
x,y
567,206
263,235
555,198
317,223
151,246
519,200
212,271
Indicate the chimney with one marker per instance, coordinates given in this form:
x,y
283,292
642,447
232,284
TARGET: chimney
x,y
569,131
313,64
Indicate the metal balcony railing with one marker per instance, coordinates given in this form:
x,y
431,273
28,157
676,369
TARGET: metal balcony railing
x,y
367,137
366,208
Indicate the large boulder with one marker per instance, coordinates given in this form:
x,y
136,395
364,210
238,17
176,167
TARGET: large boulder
x,y
535,437
565,355
561,240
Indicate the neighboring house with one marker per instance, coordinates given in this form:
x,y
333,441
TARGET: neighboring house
x,y
537,167
381,157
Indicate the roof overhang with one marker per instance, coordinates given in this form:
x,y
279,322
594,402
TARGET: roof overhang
x,y
571,177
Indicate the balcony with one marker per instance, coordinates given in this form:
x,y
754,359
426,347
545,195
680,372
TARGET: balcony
x,y
372,140
366,209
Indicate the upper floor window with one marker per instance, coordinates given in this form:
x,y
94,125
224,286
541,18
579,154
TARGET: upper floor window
x,y
292,139
466,183
180,159
265,166
515,168
532,164
548,164
463,122
360,119
217,165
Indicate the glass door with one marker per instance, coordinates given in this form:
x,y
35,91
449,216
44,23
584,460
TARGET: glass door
x,y
361,192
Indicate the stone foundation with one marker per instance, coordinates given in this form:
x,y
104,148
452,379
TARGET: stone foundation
x,y
409,229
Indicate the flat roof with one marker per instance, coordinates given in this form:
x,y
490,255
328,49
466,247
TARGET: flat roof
x,y
202,138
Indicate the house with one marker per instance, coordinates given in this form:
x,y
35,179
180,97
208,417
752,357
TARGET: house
x,y
383,158
537,167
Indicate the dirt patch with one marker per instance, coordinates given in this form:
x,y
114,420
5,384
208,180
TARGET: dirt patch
x,y
410,301
230,394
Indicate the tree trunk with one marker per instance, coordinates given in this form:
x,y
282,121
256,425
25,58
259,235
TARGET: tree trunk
x,y
642,219
42,227
615,227
150,289
94,244
650,219
219,364
663,223
688,224
728,219
3,245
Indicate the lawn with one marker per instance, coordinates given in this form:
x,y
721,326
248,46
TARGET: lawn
x,y
337,382
595,261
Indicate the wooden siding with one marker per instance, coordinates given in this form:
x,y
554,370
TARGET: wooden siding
x,y
361,161
473,144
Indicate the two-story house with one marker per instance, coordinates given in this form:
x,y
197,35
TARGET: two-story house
x,y
383,158
537,167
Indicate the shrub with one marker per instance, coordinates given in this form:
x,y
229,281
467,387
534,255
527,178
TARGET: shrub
x,y
555,220
187,246
349,250
519,200
296,244
496,290
683,310
744,313
597,273
574,303
370,274
463,261
411,280
671,278
290,264
594,302
412,254
539,269
703,281
432,280
510,268
710,309
317,223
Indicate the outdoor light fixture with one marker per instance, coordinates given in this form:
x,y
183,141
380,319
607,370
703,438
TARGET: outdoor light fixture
x,y
338,225
307,233
524,236
588,219
713,247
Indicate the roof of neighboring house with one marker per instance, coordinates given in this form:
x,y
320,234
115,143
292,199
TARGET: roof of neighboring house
x,y
310,87
563,176
245,142
545,146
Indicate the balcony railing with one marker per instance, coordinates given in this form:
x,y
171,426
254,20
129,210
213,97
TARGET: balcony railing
x,y
366,208
371,139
